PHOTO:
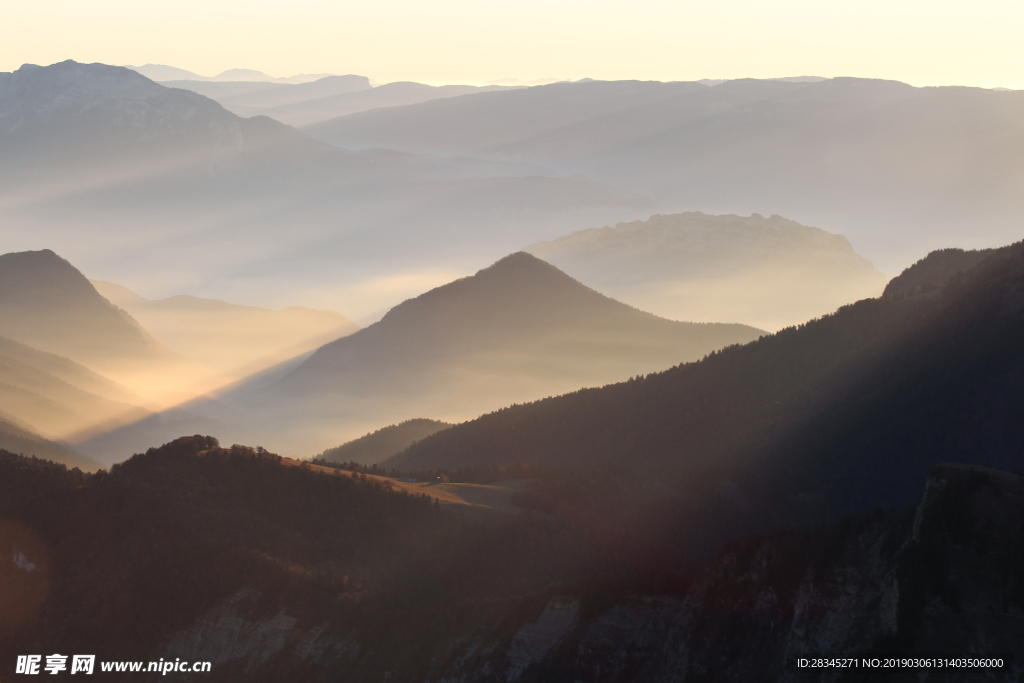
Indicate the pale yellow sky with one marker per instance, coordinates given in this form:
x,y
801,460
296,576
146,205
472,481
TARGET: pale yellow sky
x,y
935,42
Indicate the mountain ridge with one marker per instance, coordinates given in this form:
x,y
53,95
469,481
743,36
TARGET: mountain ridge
x,y
843,412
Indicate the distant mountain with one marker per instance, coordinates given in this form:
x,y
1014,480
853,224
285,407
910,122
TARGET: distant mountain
x,y
307,104
230,340
845,412
160,72
256,98
312,111
515,331
384,443
58,118
767,272
46,303
897,169
92,154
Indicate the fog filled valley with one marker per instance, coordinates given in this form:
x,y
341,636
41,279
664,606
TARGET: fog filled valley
x,y
317,378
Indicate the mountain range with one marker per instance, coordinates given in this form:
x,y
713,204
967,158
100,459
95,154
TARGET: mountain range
x,y
846,412
109,157
305,104
162,72
516,331
537,481
897,169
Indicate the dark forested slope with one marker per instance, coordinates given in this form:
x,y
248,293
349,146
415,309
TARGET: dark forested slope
x,y
385,442
933,270
847,411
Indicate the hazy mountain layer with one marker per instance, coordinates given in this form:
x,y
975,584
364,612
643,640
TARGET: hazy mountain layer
x,y
251,98
310,103
765,272
845,412
18,439
897,169
517,330
384,442
166,189
58,398
162,72
230,341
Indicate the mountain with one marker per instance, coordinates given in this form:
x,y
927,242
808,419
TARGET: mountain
x,y
515,331
229,340
92,154
845,412
306,104
875,585
17,438
767,272
272,569
46,303
934,270
384,442
160,72
897,169
58,398
250,98
312,111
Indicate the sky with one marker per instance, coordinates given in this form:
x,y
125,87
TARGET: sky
x,y
934,42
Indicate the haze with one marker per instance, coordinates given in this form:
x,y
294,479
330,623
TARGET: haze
x,y
921,43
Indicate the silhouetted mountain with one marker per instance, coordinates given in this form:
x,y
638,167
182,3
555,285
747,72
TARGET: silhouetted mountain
x,y
230,340
383,443
46,303
897,169
190,529
767,272
516,330
934,270
94,154
845,412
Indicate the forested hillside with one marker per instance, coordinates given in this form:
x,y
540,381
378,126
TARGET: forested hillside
x,y
845,412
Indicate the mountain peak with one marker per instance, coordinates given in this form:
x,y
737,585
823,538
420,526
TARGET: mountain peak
x,y
30,276
516,330
46,303
521,264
